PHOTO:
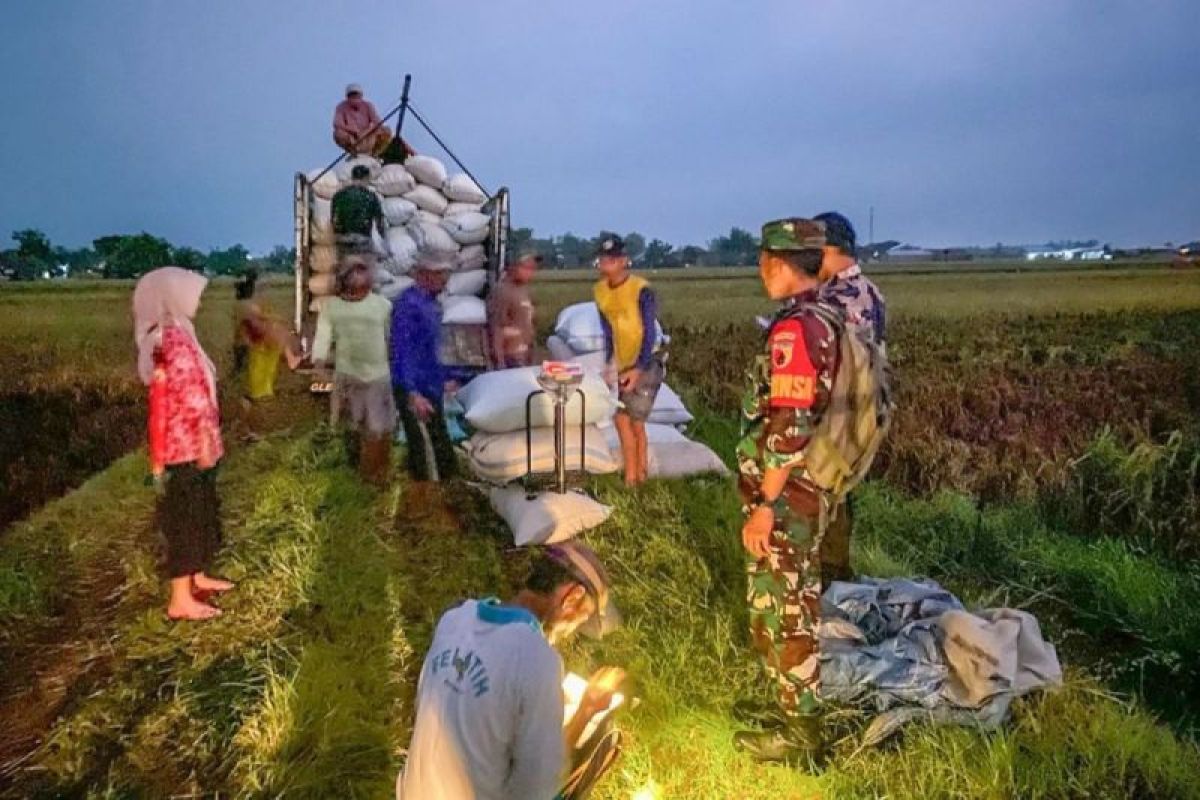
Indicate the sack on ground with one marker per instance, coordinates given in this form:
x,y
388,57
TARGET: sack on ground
x,y
326,186
473,256
394,180
398,210
429,199
467,229
670,454
463,310
668,408
500,457
462,189
427,169
346,168
495,401
322,258
467,283
547,518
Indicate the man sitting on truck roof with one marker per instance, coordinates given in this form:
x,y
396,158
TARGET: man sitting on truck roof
x,y
356,125
355,209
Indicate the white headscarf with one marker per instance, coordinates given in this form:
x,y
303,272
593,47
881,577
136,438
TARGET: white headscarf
x,y
167,296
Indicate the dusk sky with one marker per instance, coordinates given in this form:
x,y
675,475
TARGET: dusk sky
x,y
961,122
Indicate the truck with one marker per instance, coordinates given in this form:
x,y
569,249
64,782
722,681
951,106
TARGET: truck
x,y
464,346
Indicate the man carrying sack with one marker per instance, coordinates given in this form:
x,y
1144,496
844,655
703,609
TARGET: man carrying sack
x,y
815,412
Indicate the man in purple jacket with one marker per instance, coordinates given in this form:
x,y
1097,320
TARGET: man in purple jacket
x,y
418,377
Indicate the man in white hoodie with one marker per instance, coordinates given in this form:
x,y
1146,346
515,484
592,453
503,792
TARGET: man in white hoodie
x,y
490,706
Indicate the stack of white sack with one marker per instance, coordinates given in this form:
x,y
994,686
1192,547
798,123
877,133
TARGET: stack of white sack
x,y
670,454
547,517
494,407
425,209
579,337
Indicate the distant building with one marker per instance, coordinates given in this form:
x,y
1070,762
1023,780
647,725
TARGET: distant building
x,y
1090,253
909,252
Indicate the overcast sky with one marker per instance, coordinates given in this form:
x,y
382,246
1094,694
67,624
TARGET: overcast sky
x,y
961,122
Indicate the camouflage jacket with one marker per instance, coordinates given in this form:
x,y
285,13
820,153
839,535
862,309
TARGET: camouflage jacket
x,y
858,298
788,390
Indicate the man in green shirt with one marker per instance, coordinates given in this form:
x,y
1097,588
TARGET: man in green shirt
x,y
356,208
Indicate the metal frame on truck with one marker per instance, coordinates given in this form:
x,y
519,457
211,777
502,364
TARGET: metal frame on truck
x,y
465,348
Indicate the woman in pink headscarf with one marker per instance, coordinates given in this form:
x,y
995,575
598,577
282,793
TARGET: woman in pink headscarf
x,y
185,434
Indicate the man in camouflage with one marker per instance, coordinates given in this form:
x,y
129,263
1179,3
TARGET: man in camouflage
x,y
844,286
789,389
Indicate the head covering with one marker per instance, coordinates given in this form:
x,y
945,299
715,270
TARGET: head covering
x,y
355,282
611,245
792,234
839,232
433,261
166,296
353,88
585,565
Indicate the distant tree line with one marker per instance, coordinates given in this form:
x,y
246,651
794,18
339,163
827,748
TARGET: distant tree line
x,y
126,256
737,248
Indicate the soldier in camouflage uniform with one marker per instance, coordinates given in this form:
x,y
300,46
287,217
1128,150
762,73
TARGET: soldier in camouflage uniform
x,y
845,287
789,388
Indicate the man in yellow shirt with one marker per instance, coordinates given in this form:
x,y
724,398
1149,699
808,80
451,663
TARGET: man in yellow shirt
x,y
628,313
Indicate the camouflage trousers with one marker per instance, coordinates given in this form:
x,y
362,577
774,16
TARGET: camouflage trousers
x,y
785,604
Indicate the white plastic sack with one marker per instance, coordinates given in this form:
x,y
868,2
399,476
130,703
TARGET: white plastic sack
x,y
548,518
321,221
495,401
500,457
428,216
394,180
322,284
463,310
326,186
579,326
593,362
467,283
456,207
460,188
402,248
428,198
396,287
318,304
398,210
346,168
670,454
668,408
323,258
431,238
469,228
559,350
426,169
471,257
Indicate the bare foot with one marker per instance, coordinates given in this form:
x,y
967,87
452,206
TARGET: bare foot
x,y
191,610
205,583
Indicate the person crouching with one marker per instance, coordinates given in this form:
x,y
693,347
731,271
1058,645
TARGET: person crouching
x,y
356,324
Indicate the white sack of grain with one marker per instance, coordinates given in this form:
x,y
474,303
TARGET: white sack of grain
x,y
427,170
670,454
323,284
549,517
326,186
321,222
346,168
428,198
463,310
323,258
579,326
402,247
467,229
501,457
467,283
668,409
495,401
397,287
461,189
394,180
428,216
432,238
471,257
398,210
456,207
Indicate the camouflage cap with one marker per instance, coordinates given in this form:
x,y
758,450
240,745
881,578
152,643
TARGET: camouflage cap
x,y
793,233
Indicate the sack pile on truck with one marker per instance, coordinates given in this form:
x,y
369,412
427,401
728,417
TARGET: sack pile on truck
x,y
426,209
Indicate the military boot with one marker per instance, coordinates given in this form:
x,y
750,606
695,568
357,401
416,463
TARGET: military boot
x,y
799,742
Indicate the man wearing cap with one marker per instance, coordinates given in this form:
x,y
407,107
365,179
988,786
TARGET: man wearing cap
x,y
356,125
789,387
510,314
490,706
629,316
418,378
357,210
844,286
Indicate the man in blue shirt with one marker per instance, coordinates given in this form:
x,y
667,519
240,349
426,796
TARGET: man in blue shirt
x,y
418,377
